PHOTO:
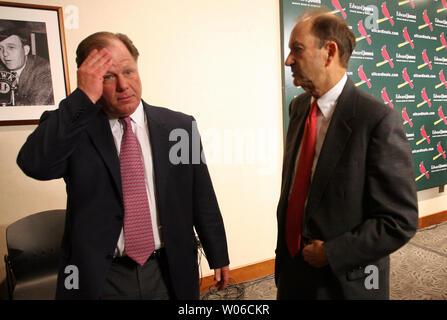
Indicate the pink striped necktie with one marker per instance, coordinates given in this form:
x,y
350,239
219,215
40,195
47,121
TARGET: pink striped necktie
x,y
138,235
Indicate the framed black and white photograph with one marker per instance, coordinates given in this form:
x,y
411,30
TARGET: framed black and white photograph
x,y
33,63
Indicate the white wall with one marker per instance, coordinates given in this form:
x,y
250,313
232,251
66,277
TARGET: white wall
x,y
217,60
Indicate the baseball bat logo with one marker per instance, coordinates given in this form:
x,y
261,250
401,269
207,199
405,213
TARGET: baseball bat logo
x,y
444,6
424,135
406,117
441,116
441,152
407,38
406,77
425,98
442,78
387,58
426,20
385,98
338,8
387,15
426,60
423,171
401,3
362,31
364,78
444,43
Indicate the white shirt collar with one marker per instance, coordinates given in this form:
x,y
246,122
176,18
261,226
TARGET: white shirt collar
x,y
327,102
137,117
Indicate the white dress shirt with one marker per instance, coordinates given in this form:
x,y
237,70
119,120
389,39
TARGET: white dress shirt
x,y
141,130
18,72
326,107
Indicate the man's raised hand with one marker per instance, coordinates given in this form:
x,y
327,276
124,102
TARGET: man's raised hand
x,y
91,73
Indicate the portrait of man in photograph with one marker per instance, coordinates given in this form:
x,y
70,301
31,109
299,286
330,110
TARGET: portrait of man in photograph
x,y
24,65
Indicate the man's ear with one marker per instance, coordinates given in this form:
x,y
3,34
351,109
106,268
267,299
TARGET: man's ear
x,y
331,51
27,49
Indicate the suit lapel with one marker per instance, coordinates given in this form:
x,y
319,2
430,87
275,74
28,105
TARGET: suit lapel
x,y
294,135
334,144
101,136
159,138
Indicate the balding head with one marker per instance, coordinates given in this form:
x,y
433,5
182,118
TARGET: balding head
x,y
101,40
328,27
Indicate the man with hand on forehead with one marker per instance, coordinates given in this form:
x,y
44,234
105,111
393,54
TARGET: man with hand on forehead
x,y
131,212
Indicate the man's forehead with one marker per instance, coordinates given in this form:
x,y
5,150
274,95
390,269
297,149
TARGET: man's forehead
x,y
299,32
119,50
122,63
303,25
121,58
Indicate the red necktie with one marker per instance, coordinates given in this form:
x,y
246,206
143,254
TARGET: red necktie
x,y
298,195
138,235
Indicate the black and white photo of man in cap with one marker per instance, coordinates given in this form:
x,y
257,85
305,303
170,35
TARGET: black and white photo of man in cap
x,y
32,83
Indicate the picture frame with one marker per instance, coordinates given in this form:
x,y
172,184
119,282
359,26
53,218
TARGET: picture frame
x,y
33,62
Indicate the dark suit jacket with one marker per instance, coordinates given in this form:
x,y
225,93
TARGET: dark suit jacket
x,y
35,86
75,142
362,200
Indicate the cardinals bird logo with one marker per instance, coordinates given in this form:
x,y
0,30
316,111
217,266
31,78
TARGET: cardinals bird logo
x,y
407,79
444,6
337,6
424,135
441,152
425,98
385,98
426,60
387,15
441,116
426,20
423,171
401,3
387,58
364,78
442,78
407,39
362,31
444,43
406,117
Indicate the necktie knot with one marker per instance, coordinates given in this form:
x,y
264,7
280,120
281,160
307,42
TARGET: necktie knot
x,y
15,79
126,121
314,109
